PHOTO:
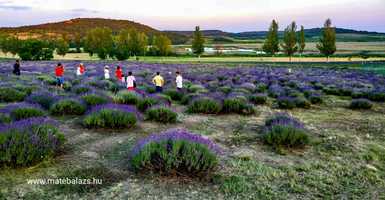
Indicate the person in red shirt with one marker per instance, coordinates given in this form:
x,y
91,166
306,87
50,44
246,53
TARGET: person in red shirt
x,y
59,72
119,73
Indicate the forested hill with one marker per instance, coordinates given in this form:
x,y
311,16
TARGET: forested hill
x,y
81,26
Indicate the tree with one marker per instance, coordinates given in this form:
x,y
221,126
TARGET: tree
x,y
122,42
78,42
100,42
163,45
271,44
62,47
198,42
137,43
10,44
33,49
289,44
301,40
327,41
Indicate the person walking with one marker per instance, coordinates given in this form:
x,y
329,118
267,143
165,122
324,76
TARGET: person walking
x,y
131,82
80,69
119,73
59,72
179,81
106,72
158,82
16,68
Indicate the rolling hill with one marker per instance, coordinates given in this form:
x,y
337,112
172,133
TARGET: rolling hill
x,y
81,26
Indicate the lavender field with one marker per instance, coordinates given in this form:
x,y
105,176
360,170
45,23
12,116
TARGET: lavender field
x,y
239,132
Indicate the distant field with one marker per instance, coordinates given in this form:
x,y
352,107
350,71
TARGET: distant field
x,y
342,47
235,59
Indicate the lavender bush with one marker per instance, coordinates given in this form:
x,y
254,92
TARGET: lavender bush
x,y
282,130
177,152
112,116
28,141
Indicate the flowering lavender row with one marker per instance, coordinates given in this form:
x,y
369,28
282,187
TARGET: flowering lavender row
x,y
120,107
10,107
27,124
284,119
175,134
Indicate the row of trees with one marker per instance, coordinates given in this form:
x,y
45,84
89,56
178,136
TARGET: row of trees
x,y
33,49
128,42
294,41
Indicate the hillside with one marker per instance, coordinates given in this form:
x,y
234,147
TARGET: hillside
x,y
81,26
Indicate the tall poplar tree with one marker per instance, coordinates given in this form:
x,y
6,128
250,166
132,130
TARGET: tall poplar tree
x,y
289,44
327,42
271,44
198,47
301,40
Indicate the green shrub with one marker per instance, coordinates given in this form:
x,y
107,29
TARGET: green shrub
x,y
286,103
106,118
361,104
4,119
284,130
126,97
258,99
47,79
81,90
26,112
301,102
377,96
288,136
161,114
196,89
93,99
11,95
261,88
146,103
26,89
29,141
174,94
315,99
67,107
44,99
225,89
204,106
237,105
175,152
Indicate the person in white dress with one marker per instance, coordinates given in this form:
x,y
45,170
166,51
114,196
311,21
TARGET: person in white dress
x,y
107,72
80,69
179,81
131,81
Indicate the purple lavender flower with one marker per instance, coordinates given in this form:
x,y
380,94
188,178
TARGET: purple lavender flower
x,y
120,107
10,107
176,134
26,124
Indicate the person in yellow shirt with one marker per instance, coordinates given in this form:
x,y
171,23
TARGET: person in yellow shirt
x,y
158,82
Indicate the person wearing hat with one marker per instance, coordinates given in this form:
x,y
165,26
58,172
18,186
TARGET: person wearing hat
x,y
106,72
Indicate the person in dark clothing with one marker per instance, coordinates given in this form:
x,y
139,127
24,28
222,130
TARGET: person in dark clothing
x,y
16,68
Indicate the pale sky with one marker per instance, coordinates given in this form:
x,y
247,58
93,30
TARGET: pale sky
x,y
227,15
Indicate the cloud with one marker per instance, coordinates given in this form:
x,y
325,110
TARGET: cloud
x,y
6,5
82,10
